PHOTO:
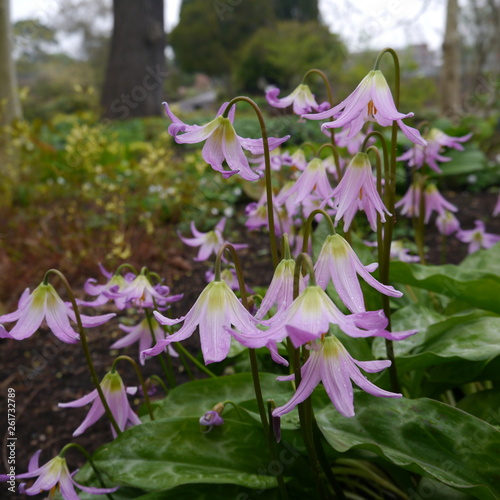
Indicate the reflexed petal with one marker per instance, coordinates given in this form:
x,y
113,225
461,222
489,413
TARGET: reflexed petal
x,y
85,400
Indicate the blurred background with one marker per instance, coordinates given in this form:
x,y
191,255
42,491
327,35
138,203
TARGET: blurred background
x,y
89,173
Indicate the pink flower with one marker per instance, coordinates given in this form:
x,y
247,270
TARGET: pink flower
x,y
222,143
209,242
338,261
53,476
357,191
141,334
302,100
371,101
447,223
45,304
215,310
116,395
435,202
496,210
477,238
400,252
330,363
410,202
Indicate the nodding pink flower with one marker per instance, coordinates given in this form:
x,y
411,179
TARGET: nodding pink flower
x,y
209,242
142,294
496,210
447,223
230,276
141,333
410,202
477,238
435,202
115,394
222,142
357,191
438,137
371,101
313,179
278,160
330,363
398,251
310,315
215,310
44,304
338,262
353,144
53,476
302,100
298,159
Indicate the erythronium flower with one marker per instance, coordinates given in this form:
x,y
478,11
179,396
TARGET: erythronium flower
x,y
435,202
310,315
371,101
45,304
496,210
222,143
330,363
230,276
353,144
477,238
357,191
410,202
141,293
338,261
215,310
53,476
400,252
447,223
313,179
115,393
302,100
209,242
438,137
141,333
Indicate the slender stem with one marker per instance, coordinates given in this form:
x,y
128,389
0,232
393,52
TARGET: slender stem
x,y
267,161
169,375
308,226
182,350
303,259
139,376
126,266
85,346
310,145
160,381
336,157
86,454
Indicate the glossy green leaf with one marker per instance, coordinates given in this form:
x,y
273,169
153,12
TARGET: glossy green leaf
x,y
478,287
484,405
423,436
167,453
463,162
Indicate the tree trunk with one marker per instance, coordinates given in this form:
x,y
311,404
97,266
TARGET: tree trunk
x,y
10,108
450,71
136,69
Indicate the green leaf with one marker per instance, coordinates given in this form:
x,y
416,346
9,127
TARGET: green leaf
x,y
484,405
478,287
210,492
163,454
423,436
463,162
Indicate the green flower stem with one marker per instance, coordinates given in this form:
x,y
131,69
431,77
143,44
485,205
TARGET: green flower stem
x,y
308,226
126,266
169,373
303,260
182,350
335,156
285,247
390,190
139,376
185,364
329,93
160,381
310,145
86,454
85,346
267,160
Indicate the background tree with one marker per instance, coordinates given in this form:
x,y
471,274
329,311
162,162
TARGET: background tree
x,y
137,65
281,54
10,107
296,10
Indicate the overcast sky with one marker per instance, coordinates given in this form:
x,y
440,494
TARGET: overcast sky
x,y
361,23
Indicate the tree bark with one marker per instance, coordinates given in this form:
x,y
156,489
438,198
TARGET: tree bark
x,y
136,69
450,71
10,107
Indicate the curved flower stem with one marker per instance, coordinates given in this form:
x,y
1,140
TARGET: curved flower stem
x,y
139,376
253,358
380,235
160,381
390,189
310,145
182,350
169,374
329,93
85,346
267,161
86,454
335,156
308,225
126,266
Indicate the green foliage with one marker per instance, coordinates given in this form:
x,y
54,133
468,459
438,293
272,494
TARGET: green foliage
x,y
281,54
